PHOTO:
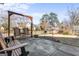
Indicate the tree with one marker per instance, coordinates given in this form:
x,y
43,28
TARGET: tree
x,y
74,16
5,25
74,20
49,19
43,25
45,17
53,19
65,26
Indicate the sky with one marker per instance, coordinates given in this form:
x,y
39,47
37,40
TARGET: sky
x,y
36,10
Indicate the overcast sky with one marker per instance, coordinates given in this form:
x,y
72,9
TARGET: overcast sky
x,y
38,9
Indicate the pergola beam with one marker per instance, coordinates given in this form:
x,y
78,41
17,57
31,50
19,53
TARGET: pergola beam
x,y
11,13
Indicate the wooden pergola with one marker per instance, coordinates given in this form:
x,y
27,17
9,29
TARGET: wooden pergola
x,y
11,13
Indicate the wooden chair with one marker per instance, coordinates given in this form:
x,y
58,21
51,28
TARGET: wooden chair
x,y
26,31
14,47
16,31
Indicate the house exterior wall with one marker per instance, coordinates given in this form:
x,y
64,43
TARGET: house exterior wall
x,y
75,29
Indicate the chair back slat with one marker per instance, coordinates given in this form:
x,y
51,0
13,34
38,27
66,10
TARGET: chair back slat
x,y
14,42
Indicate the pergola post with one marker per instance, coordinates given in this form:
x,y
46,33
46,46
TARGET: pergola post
x,y
9,14
31,27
